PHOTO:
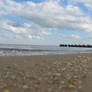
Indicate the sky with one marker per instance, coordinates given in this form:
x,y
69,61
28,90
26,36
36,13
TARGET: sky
x,y
46,22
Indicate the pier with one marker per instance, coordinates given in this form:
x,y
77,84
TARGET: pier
x,y
75,45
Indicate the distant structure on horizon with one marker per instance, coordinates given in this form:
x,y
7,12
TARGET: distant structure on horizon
x,y
75,45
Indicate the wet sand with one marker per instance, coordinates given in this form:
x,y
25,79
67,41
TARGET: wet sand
x,y
47,73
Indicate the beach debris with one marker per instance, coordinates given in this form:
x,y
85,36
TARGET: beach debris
x,y
85,76
6,90
70,86
9,67
25,86
60,89
74,82
37,64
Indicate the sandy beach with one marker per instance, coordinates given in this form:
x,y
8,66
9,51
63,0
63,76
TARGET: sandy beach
x,y
46,73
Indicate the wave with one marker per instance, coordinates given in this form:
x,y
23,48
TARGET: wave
x,y
28,50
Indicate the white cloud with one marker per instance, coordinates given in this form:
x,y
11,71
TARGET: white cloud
x,y
35,37
26,30
75,36
30,36
8,26
45,17
46,33
85,1
1,12
88,3
12,36
50,15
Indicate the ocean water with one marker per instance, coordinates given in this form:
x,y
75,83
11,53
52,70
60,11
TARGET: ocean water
x,y
28,50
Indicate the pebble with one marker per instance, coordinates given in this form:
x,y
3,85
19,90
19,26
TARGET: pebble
x,y
57,76
70,86
25,87
6,90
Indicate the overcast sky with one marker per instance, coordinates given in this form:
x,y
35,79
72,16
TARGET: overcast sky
x,y
47,22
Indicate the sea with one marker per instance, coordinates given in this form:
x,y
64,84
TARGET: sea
x,y
29,50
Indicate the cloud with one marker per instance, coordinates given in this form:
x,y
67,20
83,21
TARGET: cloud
x,y
45,17
8,26
23,30
72,36
1,12
85,1
12,36
88,3
50,15
30,36
75,36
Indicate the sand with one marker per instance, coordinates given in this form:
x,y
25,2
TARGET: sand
x,y
46,73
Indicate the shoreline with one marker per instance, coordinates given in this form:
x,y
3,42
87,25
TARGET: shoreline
x,y
86,53
76,53
46,73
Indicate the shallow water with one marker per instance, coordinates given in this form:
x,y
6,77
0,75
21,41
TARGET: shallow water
x,y
20,50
